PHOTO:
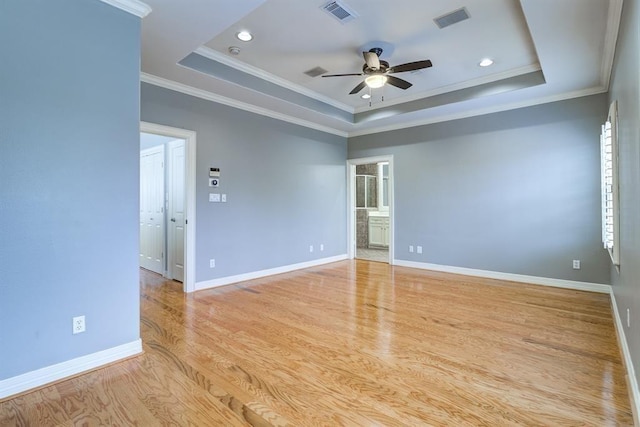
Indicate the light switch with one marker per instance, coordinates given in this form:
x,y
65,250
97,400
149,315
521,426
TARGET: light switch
x,y
224,198
214,197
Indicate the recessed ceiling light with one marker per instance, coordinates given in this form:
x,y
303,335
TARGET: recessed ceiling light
x,y
486,62
245,36
365,96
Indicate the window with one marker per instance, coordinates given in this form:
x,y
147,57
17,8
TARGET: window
x,y
609,181
366,195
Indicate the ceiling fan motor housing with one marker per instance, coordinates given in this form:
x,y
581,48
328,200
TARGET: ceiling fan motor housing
x,y
384,66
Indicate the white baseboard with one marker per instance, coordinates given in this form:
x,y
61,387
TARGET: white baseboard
x,y
59,371
222,281
632,382
535,280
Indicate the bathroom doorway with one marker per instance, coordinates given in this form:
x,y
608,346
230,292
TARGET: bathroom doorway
x,y
370,209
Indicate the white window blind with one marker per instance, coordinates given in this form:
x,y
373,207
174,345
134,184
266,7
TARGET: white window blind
x,y
609,181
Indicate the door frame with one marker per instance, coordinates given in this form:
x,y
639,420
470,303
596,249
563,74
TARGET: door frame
x,y
189,284
351,203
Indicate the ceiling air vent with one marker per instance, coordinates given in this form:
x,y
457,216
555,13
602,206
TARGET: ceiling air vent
x,y
339,11
452,18
315,72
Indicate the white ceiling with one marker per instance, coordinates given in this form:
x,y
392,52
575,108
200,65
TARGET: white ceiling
x,y
544,50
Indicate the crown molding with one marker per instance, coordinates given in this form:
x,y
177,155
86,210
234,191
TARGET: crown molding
x,y
203,94
610,41
134,7
261,74
482,111
458,86
209,96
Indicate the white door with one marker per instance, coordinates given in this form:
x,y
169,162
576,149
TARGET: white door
x,y
176,209
152,209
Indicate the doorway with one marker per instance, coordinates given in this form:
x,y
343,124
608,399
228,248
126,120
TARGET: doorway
x,y
370,208
171,197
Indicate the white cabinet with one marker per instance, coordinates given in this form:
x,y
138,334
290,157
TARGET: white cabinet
x,y
379,231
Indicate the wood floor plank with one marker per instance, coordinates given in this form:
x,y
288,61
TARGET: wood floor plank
x,y
353,343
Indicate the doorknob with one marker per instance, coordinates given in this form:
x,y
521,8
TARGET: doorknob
x,y
173,220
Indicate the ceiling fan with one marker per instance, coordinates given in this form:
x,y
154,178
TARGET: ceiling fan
x,y
378,72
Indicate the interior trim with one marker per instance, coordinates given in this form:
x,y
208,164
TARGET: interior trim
x,y
209,96
532,280
490,78
481,111
214,55
610,41
43,376
223,281
134,7
190,138
632,382
351,203
203,94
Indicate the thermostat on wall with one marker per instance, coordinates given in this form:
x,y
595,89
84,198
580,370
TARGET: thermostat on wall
x,y
214,182
214,172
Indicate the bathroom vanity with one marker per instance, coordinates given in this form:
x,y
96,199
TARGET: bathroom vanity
x,y
379,229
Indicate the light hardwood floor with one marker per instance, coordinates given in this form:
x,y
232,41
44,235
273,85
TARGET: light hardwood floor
x,y
353,343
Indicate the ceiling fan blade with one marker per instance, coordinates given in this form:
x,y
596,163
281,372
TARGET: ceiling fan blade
x,y
357,88
372,60
343,75
402,84
410,66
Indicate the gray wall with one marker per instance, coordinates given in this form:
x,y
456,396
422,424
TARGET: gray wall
x,y
285,184
624,88
515,192
69,149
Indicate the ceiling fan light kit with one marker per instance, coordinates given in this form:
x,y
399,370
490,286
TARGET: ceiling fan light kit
x,y
376,81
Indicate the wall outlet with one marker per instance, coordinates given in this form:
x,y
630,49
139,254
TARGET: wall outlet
x,y
628,318
212,263
310,248
411,248
576,264
419,249
78,325
321,247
